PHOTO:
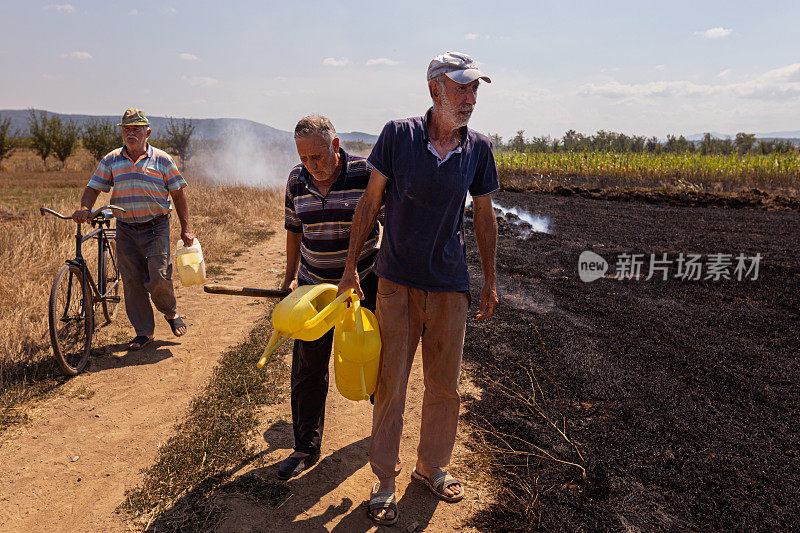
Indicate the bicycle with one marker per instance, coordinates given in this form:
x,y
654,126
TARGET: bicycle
x,y
75,295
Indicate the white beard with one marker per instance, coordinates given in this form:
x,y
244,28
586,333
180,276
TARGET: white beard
x,y
451,111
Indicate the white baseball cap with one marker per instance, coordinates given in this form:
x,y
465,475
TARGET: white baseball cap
x,y
457,66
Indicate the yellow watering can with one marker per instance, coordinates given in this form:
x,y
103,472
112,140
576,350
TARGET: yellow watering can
x,y
307,314
357,352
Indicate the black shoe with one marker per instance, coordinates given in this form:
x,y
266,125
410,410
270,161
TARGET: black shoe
x,y
293,466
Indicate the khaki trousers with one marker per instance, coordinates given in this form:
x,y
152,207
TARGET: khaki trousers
x,y
405,315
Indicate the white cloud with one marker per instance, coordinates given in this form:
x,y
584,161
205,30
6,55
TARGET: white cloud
x,y
660,67
173,10
200,101
148,91
49,77
471,36
187,57
281,79
724,73
333,62
789,73
61,8
133,12
78,55
777,84
715,33
199,81
382,61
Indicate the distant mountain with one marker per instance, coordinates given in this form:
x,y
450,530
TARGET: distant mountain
x,y
356,136
205,128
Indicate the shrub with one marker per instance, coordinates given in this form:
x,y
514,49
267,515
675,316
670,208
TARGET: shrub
x,y
100,137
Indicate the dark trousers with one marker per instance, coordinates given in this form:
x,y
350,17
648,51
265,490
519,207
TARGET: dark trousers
x,y
144,261
310,360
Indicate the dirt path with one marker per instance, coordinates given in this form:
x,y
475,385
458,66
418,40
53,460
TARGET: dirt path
x,y
69,467
331,496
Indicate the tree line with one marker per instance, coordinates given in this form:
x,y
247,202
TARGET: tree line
x,y
609,141
50,135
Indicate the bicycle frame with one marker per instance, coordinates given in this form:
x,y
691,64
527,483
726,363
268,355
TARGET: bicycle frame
x,y
100,290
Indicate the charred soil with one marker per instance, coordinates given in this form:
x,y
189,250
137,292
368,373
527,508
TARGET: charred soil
x,y
681,396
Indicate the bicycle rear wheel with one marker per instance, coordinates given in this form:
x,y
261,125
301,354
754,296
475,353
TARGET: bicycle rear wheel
x,y
71,320
112,278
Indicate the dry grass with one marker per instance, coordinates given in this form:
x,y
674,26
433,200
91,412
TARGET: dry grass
x,y
226,219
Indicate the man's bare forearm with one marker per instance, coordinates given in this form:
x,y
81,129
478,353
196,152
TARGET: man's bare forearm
x,y
486,236
292,256
89,197
364,219
182,209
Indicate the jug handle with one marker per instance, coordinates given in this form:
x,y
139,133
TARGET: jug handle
x,y
359,317
272,345
364,395
328,309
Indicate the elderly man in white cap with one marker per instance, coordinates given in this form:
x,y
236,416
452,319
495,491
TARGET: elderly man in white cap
x,y
423,167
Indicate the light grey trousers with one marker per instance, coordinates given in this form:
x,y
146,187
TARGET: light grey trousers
x,y
145,263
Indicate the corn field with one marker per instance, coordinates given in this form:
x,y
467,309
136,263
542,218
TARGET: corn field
x,y
774,170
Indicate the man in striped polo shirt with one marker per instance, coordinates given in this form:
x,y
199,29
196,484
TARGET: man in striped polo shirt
x,y
321,195
144,179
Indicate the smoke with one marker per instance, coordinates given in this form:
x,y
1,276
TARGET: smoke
x,y
526,222
240,156
538,223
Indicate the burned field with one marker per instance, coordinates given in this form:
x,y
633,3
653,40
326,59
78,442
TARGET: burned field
x,y
679,398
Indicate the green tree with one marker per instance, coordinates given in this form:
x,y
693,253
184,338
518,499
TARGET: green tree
x,y
40,138
497,141
744,142
653,146
677,145
100,137
6,148
63,136
540,144
574,142
518,142
179,137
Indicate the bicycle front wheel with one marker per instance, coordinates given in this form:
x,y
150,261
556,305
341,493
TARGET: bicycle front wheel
x,y
71,319
109,266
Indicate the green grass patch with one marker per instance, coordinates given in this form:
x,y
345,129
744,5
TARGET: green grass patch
x,y
254,235
214,270
83,393
214,441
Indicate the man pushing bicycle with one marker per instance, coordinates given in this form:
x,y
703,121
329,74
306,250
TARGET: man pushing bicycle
x,y
143,179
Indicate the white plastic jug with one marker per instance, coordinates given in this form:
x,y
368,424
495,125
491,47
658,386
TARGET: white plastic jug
x,y
190,263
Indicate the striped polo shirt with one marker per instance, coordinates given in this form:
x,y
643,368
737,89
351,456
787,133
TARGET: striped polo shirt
x,y
141,187
325,221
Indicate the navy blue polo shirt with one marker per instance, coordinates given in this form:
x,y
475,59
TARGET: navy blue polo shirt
x,y
423,241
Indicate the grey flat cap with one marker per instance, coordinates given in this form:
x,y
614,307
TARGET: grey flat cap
x,y
457,66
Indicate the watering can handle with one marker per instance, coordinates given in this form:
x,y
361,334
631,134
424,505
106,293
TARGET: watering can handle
x,y
330,308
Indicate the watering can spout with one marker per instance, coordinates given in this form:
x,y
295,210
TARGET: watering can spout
x,y
306,314
275,341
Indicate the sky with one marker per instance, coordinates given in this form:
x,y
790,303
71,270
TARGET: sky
x,y
638,67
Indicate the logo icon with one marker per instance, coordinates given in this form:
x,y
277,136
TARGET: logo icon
x,y
591,266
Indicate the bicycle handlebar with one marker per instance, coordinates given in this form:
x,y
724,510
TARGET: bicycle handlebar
x,y
44,210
